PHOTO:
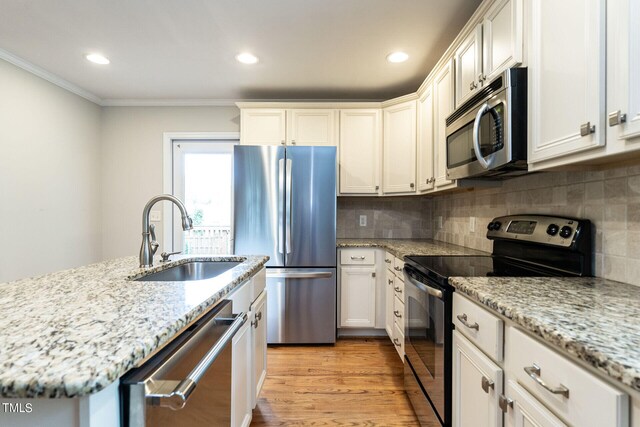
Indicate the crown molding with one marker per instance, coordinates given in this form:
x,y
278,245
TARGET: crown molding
x,y
197,102
48,76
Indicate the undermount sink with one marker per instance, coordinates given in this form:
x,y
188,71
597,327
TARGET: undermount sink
x,y
194,270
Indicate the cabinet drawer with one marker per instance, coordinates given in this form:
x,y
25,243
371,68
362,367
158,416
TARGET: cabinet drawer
x,y
358,257
578,396
398,340
398,312
388,260
398,265
398,288
483,328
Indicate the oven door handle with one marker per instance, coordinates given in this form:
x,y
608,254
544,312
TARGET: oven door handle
x,y
476,137
428,289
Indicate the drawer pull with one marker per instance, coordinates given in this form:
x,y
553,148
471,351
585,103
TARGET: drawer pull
x,y
396,342
487,384
361,258
388,261
534,373
397,314
505,403
396,268
397,289
390,281
463,319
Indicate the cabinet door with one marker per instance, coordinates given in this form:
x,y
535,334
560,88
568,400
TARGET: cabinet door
x,y
526,411
468,59
388,310
259,342
241,376
623,70
502,35
262,126
443,106
358,297
312,127
399,168
566,78
426,176
360,135
477,384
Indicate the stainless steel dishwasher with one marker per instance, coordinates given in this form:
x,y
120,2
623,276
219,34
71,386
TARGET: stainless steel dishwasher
x,y
188,383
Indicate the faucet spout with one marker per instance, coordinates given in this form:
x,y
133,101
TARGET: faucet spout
x,y
146,250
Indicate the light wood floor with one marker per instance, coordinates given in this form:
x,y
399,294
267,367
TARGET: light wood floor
x,y
357,382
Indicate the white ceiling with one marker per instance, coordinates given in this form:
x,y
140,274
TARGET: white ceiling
x,y
185,49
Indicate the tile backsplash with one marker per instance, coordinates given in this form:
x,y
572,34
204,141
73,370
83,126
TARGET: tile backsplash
x,y
609,198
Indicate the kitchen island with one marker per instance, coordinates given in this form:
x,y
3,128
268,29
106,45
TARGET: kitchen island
x,y
73,333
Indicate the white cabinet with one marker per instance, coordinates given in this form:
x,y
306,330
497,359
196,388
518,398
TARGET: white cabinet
x,y
360,138
358,296
312,127
623,69
566,77
280,126
241,380
443,106
399,152
468,59
523,410
477,386
492,46
388,310
259,342
426,178
262,126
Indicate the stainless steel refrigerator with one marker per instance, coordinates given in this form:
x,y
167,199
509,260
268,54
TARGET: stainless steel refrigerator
x,y
285,207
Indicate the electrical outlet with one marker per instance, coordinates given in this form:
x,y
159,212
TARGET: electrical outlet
x,y
155,216
472,224
363,220
439,222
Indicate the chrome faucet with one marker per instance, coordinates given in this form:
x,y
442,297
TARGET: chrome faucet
x,y
149,243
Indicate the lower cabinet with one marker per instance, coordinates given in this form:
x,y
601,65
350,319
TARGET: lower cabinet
x,y
259,341
358,297
241,405
477,386
388,299
525,410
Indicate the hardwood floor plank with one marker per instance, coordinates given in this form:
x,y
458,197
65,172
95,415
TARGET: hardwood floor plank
x,y
357,382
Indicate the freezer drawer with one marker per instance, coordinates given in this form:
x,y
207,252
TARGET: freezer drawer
x,y
302,306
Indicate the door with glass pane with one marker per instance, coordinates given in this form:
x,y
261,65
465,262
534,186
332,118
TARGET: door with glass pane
x,y
203,179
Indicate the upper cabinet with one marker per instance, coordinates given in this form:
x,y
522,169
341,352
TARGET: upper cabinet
x,y
493,45
273,126
263,126
442,106
425,163
360,137
399,148
566,78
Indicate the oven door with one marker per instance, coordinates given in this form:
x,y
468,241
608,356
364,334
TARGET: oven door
x,y
428,340
479,141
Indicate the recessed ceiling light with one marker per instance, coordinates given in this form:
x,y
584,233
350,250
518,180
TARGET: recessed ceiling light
x,y
96,58
247,58
397,57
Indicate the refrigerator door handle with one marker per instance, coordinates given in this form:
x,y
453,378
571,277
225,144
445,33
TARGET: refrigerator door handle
x,y
281,188
289,190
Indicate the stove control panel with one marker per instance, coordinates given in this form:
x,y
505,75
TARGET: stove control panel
x,y
543,229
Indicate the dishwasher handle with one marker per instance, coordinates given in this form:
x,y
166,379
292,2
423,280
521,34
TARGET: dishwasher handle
x,y
174,394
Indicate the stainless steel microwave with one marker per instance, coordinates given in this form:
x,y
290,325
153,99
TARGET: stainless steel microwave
x,y
487,135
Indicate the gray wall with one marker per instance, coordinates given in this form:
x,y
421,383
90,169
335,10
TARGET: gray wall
x,y
49,176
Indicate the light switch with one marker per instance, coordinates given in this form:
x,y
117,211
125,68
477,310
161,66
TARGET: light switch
x,y
155,216
363,220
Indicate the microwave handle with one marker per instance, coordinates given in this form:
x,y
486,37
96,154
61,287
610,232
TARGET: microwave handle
x,y
476,136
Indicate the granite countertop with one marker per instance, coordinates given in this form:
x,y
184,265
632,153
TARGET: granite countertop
x,y
74,332
593,319
404,247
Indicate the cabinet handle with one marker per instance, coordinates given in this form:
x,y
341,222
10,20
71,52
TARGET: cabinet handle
x,y
293,142
390,281
361,258
482,77
397,289
258,317
388,261
397,314
616,118
587,129
412,185
487,384
282,142
397,342
473,85
463,319
377,187
396,268
534,373
505,403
